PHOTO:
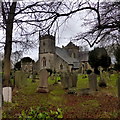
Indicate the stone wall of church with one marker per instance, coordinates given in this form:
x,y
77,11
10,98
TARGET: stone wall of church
x,y
73,50
61,65
47,61
74,53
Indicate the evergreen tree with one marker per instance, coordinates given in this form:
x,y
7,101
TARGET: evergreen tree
x,y
117,56
99,57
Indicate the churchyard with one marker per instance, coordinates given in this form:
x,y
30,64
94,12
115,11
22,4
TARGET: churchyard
x,y
64,96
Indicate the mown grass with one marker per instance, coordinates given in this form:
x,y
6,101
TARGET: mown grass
x,y
111,85
82,81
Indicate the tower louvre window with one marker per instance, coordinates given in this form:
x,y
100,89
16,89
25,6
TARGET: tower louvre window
x,y
43,43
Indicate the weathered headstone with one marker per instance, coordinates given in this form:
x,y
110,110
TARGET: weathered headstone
x,y
92,81
64,80
70,80
74,79
7,94
20,79
43,88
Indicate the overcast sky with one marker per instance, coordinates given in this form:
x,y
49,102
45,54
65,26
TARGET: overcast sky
x,y
65,33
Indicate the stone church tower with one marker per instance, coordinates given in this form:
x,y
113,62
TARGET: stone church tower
x,y
47,52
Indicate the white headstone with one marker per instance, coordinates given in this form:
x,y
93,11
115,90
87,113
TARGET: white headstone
x,y
7,94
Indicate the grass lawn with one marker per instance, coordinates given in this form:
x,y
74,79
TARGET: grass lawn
x,y
102,105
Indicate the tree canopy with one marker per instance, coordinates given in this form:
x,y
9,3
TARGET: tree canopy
x,y
23,60
27,59
99,57
117,56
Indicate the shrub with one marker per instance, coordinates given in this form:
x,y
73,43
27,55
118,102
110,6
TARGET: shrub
x,y
89,71
35,114
50,71
102,84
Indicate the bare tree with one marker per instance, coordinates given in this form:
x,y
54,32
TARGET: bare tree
x,y
16,56
42,15
104,27
27,18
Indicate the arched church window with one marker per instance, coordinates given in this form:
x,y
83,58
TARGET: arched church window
x,y
44,61
61,66
73,55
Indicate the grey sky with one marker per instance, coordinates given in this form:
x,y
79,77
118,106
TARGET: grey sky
x,y
66,32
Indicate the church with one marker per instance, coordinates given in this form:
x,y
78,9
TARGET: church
x,y
58,59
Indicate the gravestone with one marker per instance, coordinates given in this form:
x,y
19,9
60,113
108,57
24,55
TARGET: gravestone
x,y
70,80
43,88
20,79
74,79
7,94
92,81
64,80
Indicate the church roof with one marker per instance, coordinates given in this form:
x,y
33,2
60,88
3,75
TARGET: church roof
x,y
71,45
62,53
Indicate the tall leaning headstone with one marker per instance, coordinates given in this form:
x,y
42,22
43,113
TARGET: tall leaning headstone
x,y
43,87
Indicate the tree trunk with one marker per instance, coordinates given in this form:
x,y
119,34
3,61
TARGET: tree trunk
x,y
8,45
